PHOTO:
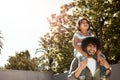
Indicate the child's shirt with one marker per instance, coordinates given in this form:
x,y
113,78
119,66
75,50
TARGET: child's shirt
x,y
80,37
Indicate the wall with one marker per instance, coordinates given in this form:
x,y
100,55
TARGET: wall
x,y
25,75
35,75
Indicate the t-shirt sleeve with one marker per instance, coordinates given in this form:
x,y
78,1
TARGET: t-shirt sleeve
x,y
91,34
76,35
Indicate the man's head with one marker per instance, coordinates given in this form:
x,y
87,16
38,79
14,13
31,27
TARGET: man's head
x,y
90,45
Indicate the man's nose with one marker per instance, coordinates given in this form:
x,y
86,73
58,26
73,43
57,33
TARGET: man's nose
x,y
92,47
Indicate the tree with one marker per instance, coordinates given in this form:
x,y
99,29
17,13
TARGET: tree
x,y
22,61
104,16
56,47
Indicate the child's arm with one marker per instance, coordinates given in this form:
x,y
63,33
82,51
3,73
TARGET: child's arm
x,y
98,55
78,48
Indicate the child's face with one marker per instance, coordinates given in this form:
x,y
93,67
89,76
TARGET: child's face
x,y
84,25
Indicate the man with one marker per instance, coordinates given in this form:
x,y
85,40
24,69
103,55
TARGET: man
x,y
90,45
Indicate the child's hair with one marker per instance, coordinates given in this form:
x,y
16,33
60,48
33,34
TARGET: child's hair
x,y
90,40
79,23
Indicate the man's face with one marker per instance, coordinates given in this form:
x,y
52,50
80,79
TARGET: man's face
x,y
91,49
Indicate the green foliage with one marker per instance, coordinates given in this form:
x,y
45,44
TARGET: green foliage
x,y
22,61
104,16
59,49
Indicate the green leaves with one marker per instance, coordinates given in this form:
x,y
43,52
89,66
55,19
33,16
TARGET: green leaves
x,y
22,61
104,16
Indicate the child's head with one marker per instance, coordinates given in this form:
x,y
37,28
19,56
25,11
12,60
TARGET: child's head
x,y
81,22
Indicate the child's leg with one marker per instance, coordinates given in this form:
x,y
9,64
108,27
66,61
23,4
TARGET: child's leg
x,y
82,75
102,68
104,72
81,58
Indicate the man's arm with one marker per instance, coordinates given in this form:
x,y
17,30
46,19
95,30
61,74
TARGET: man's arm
x,y
104,63
81,66
73,75
73,67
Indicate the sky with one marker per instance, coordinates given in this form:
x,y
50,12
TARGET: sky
x,y
23,22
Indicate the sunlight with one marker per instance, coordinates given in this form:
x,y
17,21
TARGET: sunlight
x,y
23,22
46,12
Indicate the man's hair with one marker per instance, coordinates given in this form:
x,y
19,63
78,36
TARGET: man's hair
x,y
90,40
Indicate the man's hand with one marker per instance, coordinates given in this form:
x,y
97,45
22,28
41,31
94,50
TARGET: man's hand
x,y
104,63
82,64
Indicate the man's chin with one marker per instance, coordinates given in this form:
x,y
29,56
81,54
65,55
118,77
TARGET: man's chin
x,y
91,54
